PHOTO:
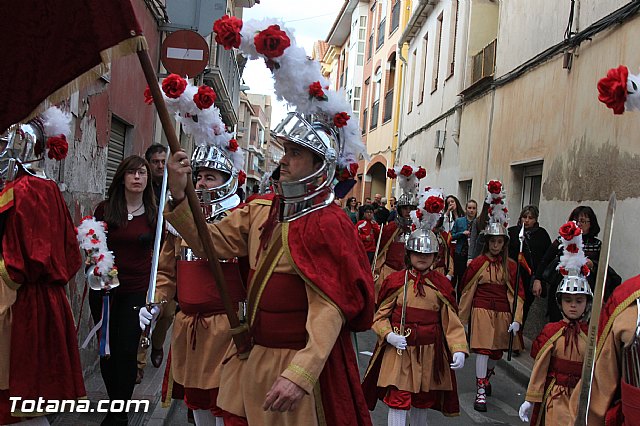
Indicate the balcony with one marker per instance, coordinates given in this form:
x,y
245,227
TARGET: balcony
x,y
374,114
224,77
388,106
395,17
484,63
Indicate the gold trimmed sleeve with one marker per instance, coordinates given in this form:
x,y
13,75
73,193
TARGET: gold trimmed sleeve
x,y
453,330
536,389
4,274
381,323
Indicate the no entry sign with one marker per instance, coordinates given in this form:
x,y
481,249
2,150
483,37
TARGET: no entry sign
x,y
185,53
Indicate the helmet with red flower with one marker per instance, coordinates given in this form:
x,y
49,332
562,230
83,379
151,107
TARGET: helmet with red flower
x,y
215,149
573,266
321,123
23,146
408,178
620,90
498,212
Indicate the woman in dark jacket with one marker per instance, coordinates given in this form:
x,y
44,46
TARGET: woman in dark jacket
x,y
535,245
586,219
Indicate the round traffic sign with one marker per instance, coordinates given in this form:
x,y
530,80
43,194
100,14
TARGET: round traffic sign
x,y
185,53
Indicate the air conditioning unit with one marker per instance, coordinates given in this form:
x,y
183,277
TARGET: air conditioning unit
x,y
440,136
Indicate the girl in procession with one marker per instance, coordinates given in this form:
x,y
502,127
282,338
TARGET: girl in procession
x,y
420,337
488,297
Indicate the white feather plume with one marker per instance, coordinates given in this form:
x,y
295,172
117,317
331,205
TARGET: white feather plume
x,y
56,122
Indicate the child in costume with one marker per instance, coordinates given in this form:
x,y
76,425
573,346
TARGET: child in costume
x,y
559,349
420,338
488,296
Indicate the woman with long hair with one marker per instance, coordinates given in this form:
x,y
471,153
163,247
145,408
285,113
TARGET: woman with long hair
x,y
453,211
351,209
130,213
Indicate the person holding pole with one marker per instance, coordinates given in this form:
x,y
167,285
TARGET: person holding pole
x,y
560,348
201,333
489,294
420,337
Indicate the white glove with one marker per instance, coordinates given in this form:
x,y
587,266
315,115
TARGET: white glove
x,y
514,328
525,411
449,277
458,360
400,342
94,281
146,317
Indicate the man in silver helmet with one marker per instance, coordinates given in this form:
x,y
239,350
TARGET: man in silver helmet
x,y
39,355
390,256
310,285
201,332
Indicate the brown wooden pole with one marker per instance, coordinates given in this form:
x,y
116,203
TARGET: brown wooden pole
x,y
239,333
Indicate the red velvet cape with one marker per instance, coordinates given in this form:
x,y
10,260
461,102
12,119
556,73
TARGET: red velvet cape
x,y
326,250
448,402
41,252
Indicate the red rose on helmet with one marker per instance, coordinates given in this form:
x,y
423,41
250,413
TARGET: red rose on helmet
x,y
572,248
494,186
271,42
419,214
205,97
344,174
434,204
353,169
612,89
58,147
569,230
585,270
563,270
148,99
340,119
391,174
227,31
406,171
173,86
233,145
421,173
315,91
242,177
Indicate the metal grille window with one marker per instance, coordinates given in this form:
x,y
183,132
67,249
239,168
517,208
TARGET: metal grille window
x,y
381,33
388,106
364,121
374,114
115,149
395,16
370,50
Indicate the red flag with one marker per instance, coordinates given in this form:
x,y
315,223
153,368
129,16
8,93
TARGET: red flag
x,y
523,262
49,46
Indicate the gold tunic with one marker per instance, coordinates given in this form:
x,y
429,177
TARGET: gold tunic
x,y
245,383
414,370
489,328
556,397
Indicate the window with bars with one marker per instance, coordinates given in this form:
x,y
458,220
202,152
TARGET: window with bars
x,y
395,17
453,34
115,149
370,50
381,33
436,54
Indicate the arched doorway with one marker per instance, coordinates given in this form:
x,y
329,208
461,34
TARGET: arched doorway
x,y
377,180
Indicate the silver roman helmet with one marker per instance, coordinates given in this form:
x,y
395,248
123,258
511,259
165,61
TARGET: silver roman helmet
x,y
221,198
496,229
422,241
22,144
574,283
312,192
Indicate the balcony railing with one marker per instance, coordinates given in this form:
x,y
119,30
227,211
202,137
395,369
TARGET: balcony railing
x,y
381,33
225,76
374,114
388,106
395,16
484,62
370,49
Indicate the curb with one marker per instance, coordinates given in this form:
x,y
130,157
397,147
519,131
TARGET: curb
x,y
520,367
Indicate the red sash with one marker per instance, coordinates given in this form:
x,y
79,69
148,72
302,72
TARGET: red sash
x,y
197,290
395,256
492,297
630,396
566,372
281,317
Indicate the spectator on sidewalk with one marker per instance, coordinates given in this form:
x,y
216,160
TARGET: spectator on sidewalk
x,y
367,202
460,234
368,231
381,214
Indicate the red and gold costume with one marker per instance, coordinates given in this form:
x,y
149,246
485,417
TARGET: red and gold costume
x,y
444,262
368,231
201,332
303,299
613,401
38,345
391,253
487,302
558,351
436,332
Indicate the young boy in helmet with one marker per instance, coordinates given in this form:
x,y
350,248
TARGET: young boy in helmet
x,y
420,339
559,349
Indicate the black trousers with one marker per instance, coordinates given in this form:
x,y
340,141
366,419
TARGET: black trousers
x,y
119,370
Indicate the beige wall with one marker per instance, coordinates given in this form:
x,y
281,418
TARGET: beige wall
x,y
483,24
552,114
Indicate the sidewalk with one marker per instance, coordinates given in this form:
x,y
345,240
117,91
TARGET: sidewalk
x,y
519,368
149,390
